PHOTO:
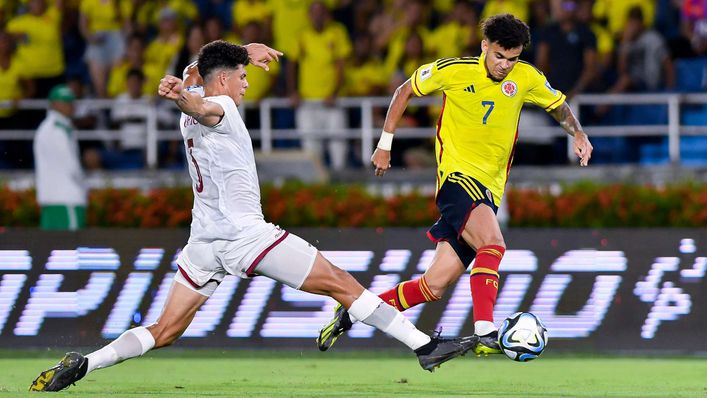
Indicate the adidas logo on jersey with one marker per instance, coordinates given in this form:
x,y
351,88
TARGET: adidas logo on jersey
x,y
470,89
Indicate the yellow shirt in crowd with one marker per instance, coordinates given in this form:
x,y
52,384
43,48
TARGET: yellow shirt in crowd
x,y
10,81
260,81
317,53
361,80
290,18
245,11
103,16
41,51
616,12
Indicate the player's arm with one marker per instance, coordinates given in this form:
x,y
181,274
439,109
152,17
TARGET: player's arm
x,y
191,76
205,112
582,147
398,104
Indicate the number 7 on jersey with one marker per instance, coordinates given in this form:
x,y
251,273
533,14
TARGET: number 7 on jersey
x,y
488,111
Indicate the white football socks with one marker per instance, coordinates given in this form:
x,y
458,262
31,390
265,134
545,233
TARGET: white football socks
x,y
132,343
482,328
371,310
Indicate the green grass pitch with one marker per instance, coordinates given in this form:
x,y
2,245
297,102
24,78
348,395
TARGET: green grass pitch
x,y
313,374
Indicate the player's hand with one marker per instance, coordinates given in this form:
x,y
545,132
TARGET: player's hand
x,y
381,161
170,87
582,148
261,55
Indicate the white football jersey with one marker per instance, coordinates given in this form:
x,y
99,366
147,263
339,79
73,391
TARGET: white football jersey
x,y
224,179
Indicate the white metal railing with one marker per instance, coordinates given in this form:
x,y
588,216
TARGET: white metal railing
x,y
368,132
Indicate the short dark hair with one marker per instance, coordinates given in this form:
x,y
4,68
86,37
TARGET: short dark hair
x,y
220,54
636,14
134,72
506,30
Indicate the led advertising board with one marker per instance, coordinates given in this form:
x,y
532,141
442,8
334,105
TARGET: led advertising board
x,y
595,290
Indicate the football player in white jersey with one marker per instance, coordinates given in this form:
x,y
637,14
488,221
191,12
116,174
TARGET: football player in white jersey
x,y
230,236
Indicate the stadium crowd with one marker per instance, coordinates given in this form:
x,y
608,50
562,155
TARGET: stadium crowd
x,y
333,48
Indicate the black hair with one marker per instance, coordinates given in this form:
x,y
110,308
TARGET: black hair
x,y
135,73
506,30
636,14
220,54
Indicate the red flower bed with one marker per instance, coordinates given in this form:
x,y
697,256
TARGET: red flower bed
x,y
300,205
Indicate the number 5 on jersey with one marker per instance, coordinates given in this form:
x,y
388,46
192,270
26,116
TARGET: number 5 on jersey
x,y
200,183
489,110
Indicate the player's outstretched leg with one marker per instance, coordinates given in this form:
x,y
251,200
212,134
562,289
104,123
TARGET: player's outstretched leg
x,y
179,310
440,350
444,271
69,370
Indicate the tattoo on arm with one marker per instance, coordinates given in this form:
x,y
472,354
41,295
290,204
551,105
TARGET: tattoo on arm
x,y
563,114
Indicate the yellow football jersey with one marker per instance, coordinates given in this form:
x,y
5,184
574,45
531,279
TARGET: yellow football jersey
x,y
478,128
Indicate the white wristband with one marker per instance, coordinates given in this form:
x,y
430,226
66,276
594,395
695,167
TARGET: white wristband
x,y
386,141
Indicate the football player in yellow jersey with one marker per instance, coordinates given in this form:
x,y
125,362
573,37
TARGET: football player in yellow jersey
x,y
475,140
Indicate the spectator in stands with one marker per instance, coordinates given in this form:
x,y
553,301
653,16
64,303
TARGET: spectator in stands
x,y
316,72
260,81
363,13
88,117
190,49
413,22
15,86
605,41
13,81
517,8
213,30
129,114
73,43
133,59
39,47
247,11
161,52
148,14
694,24
60,190
457,35
539,18
289,20
567,51
644,62
101,23
222,9
614,14
364,73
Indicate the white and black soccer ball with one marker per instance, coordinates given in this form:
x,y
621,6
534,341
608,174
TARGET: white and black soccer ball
x,y
522,337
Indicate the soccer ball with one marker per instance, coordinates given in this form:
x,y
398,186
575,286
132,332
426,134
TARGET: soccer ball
x,y
522,337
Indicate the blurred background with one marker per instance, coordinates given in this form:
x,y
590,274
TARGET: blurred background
x,y
634,71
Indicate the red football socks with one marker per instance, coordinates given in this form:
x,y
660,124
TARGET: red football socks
x,y
484,281
408,294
